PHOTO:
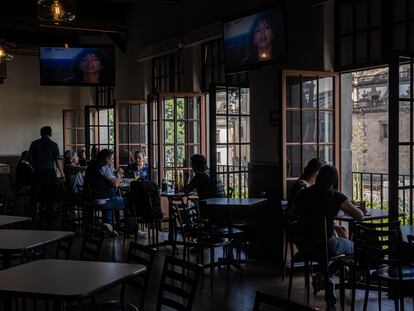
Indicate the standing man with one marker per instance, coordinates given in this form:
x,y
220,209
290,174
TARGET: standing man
x,y
44,155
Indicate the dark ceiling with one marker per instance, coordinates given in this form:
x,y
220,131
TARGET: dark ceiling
x,y
23,32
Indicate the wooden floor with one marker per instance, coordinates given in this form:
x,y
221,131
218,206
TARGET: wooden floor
x,y
240,294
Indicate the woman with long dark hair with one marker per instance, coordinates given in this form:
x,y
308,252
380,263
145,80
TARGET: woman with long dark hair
x,y
317,204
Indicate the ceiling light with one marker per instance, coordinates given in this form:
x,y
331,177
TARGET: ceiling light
x,y
4,55
56,11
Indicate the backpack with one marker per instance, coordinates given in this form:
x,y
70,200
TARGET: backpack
x,y
144,199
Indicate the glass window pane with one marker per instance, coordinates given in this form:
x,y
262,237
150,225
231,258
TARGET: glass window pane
x,y
180,104
138,134
70,120
194,132
245,156
326,152
92,136
404,122
221,131
293,126
404,78
234,101
234,128
221,156
309,93
234,157
309,152
80,136
326,93
123,155
168,108
294,161
70,137
404,160
103,135
123,113
194,106
123,134
169,132
221,103
326,126
180,132
245,129
103,117
135,113
192,149
309,126
245,101
80,119
293,92
169,156
180,156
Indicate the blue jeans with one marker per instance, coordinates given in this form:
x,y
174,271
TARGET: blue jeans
x,y
338,246
114,203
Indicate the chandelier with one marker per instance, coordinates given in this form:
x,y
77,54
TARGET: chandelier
x,y
56,11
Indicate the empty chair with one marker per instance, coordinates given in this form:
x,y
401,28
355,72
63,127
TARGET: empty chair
x,y
137,254
91,245
63,248
178,284
277,303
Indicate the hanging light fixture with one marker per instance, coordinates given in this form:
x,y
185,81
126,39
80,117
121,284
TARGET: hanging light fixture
x,y
56,11
4,55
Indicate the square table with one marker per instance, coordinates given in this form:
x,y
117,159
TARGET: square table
x,y
6,220
18,241
62,281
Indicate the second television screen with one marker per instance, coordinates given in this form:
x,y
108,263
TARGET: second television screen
x,y
255,39
77,66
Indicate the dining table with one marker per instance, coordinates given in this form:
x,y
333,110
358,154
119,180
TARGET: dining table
x,y
21,241
61,281
7,220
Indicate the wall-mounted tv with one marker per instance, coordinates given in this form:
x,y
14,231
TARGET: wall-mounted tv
x,y
79,66
255,39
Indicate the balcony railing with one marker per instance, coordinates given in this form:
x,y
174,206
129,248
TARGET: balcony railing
x,y
373,189
235,177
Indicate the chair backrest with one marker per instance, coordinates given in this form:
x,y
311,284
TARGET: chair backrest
x,y
91,245
143,255
230,192
178,284
187,218
63,248
277,303
376,244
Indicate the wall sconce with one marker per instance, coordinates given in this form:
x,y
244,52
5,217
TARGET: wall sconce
x,y
4,55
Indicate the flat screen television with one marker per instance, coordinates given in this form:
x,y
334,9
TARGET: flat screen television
x,y
255,39
78,66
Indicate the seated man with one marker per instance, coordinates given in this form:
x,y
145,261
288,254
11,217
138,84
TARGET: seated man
x,y
103,182
24,174
139,167
73,171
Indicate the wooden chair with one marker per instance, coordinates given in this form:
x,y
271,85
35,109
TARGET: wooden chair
x,y
178,286
198,236
263,299
91,245
63,248
138,254
377,247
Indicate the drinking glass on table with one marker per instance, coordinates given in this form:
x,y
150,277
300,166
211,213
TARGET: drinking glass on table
x,y
136,175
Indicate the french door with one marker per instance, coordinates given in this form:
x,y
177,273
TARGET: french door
x,y
310,121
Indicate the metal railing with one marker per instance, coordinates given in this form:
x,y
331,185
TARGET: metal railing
x,y
373,189
235,177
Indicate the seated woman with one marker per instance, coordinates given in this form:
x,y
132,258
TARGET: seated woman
x,y
139,167
73,171
316,203
201,180
24,174
103,182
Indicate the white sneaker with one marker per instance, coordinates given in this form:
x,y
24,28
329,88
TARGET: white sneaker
x,y
141,234
109,229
